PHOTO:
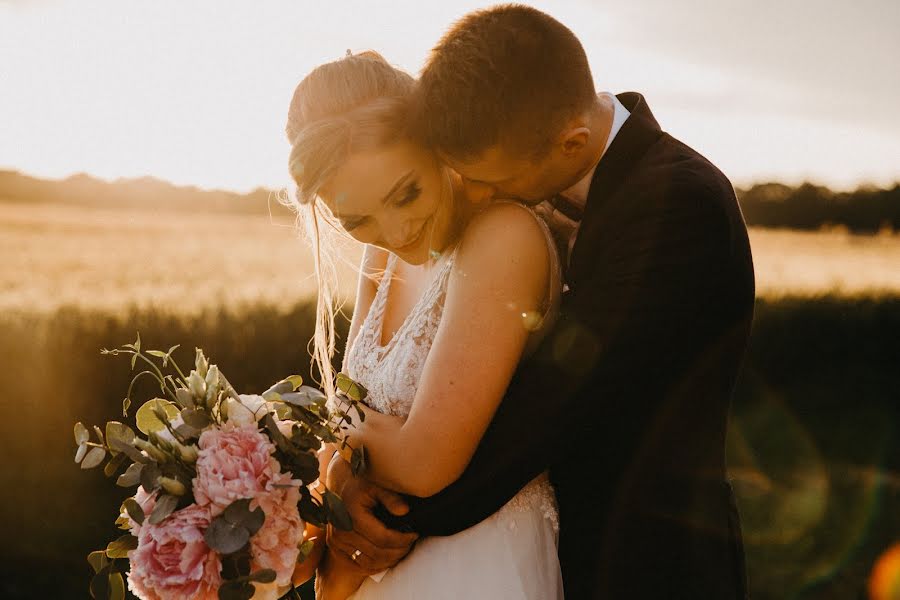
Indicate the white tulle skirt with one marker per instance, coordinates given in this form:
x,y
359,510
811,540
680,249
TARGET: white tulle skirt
x,y
510,555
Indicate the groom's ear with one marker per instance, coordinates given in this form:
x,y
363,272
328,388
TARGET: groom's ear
x,y
573,140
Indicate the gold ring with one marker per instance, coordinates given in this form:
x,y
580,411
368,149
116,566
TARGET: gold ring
x,y
356,554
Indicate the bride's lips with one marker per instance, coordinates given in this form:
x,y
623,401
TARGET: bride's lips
x,y
416,241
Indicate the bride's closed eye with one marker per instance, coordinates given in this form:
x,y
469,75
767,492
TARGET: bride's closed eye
x,y
411,193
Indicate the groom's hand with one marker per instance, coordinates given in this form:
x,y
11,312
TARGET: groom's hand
x,y
378,546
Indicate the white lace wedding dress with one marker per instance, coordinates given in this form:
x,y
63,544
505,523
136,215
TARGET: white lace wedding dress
x,y
510,555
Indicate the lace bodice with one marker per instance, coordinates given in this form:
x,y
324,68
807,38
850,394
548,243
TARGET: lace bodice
x,y
391,373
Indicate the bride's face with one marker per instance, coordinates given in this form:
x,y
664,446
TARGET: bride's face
x,y
396,198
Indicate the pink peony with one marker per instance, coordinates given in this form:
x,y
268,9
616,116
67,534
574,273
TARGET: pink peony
x,y
172,561
275,545
235,462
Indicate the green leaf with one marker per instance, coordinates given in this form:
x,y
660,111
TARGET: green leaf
x,y
165,505
113,465
239,513
137,343
236,590
196,418
131,476
157,353
147,419
337,511
120,547
150,477
358,462
79,454
263,576
118,433
97,559
306,549
99,433
116,587
304,396
93,458
82,434
354,390
224,536
134,510
295,380
100,584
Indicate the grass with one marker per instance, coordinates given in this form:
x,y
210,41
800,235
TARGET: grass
x,y
813,445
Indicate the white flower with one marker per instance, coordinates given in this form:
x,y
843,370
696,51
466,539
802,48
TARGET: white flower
x,y
248,411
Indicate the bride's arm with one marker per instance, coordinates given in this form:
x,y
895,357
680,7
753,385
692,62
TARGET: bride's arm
x,y
501,273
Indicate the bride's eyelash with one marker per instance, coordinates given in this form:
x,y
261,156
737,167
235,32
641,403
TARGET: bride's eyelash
x,y
413,191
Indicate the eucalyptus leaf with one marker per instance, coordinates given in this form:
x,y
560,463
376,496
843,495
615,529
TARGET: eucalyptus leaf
x,y
82,434
353,389
93,458
196,418
99,433
239,513
304,396
236,590
306,549
79,454
225,537
118,433
165,505
147,416
358,461
97,559
113,465
120,547
337,511
264,576
295,380
100,584
134,510
116,587
132,452
150,477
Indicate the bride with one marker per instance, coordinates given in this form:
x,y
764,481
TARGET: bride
x,y
451,295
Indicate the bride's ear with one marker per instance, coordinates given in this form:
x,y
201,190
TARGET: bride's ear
x,y
573,140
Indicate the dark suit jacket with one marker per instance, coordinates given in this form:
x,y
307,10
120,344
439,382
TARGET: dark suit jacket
x,y
626,399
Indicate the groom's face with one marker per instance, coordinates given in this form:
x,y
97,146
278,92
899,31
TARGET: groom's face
x,y
500,174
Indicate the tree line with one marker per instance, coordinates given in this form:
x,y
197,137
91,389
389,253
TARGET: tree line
x,y
865,210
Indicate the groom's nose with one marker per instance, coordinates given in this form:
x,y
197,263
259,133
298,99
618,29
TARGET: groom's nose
x,y
479,192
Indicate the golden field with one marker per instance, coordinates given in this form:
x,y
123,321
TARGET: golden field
x,y
109,259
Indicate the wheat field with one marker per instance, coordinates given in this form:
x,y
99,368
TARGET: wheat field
x,y
110,259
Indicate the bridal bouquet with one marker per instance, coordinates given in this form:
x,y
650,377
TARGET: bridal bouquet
x,y
222,483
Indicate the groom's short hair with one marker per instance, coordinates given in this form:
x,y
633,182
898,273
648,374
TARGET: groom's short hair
x,y
508,75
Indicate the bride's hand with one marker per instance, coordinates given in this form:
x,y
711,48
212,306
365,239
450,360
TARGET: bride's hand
x,y
375,546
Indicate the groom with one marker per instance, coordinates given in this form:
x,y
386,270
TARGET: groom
x,y
626,400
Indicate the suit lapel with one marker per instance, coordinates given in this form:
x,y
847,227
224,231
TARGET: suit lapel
x,y
638,133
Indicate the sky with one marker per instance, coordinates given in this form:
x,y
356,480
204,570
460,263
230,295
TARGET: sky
x,y
196,91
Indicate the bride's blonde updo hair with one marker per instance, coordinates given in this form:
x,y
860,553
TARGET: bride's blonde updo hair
x,y
357,103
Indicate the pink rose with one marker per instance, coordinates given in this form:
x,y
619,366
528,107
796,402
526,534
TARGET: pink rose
x,y
275,545
172,560
235,462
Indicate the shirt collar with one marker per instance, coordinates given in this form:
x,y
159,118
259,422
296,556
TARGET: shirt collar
x,y
578,193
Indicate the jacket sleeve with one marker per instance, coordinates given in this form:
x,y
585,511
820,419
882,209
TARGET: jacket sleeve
x,y
651,282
